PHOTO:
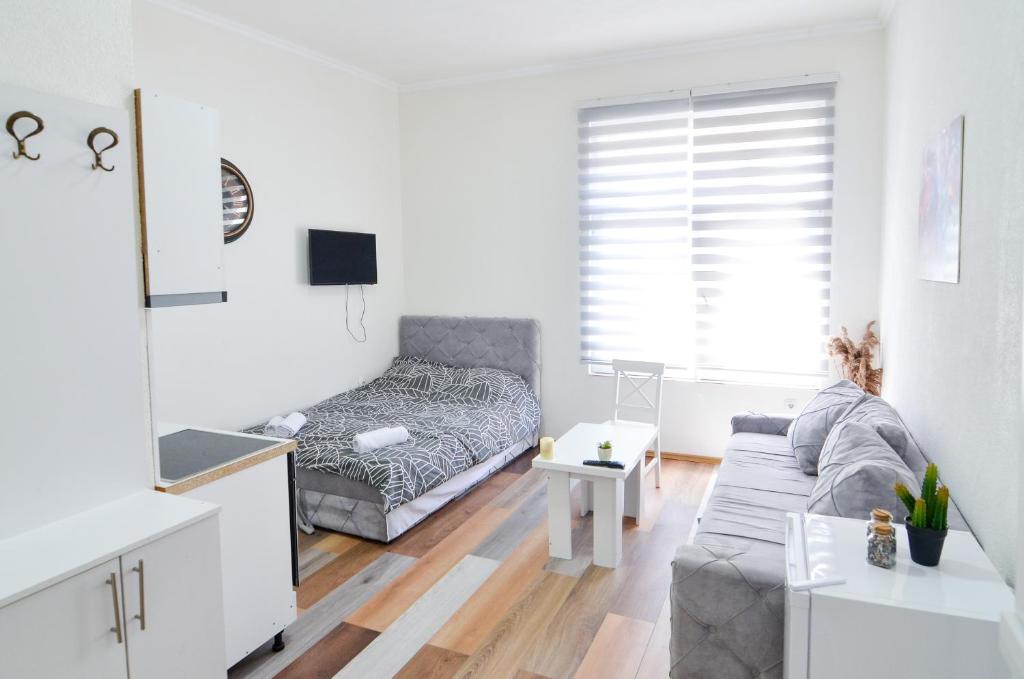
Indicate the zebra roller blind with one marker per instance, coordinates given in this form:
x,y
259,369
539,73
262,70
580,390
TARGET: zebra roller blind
x,y
705,236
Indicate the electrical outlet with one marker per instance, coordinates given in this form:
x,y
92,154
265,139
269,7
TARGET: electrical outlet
x,y
790,403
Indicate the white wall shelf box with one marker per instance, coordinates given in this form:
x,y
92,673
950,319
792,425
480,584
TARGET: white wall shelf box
x,y
180,201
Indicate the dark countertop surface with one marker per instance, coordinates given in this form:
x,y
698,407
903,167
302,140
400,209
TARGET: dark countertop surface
x,y
193,451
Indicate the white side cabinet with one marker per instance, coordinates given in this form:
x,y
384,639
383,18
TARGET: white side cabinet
x,y
151,611
64,630
846,619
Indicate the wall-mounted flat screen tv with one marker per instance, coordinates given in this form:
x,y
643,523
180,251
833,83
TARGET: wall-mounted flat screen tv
x,y
342,258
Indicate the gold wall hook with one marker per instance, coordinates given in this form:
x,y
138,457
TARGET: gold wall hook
x,y
98,163
15,117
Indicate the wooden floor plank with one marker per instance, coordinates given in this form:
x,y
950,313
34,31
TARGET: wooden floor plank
x,y
307,540
424,537
688,481
523,463
617,650
337,543
384,608
432,662
324,616
470,626
311,560
336,573
501,654
330,654
386,655
650,562
655,663
513,530
563,644
520,489
654,498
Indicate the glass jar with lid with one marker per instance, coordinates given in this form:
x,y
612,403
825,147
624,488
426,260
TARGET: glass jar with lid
x,y
882,545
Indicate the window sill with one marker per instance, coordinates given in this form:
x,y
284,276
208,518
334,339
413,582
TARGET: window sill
x,y
802,383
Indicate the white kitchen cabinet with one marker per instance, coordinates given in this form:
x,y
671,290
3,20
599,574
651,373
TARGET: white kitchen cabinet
x,y
166,586
66,626
180,201
72,605
256,529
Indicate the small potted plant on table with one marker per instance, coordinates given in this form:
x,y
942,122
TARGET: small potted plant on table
x,y
604,451
926,525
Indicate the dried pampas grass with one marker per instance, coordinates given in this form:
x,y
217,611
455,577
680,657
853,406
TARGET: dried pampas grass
x,y
855,359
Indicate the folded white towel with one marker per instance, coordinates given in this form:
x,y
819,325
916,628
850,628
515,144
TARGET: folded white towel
x,y
270,428
378,438
285,428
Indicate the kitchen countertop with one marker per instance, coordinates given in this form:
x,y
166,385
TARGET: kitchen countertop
x,y
194,456
43,556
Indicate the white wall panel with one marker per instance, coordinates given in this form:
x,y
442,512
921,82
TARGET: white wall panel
x,y
73,400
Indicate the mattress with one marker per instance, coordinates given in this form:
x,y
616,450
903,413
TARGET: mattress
x,y
458,417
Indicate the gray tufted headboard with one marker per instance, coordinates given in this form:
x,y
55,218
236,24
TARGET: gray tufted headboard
x,y
512,344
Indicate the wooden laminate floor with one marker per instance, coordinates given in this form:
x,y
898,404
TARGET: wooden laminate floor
x,y
471,592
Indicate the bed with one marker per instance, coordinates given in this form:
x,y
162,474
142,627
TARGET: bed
x,y
468,391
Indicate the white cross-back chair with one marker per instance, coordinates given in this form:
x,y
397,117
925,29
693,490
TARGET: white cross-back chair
x,y
638,392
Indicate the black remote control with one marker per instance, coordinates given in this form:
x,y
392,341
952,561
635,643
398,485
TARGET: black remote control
x,y
613,464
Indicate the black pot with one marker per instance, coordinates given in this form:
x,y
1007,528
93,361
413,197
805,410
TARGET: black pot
x,y
925,544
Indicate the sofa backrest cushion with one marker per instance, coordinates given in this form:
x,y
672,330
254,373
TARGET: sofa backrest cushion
x,y
811,427
877,413
857,472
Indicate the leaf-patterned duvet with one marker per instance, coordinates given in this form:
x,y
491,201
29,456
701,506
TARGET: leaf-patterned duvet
x,y
457,417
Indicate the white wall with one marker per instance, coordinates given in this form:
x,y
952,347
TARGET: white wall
x,y
321,150
489,211
953,352
73,372
80,49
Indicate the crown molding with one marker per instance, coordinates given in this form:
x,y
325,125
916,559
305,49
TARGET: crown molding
x,y
271,40
692,47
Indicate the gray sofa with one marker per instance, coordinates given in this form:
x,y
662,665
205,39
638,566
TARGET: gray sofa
x,y
727,596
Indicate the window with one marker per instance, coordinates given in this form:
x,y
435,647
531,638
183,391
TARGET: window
x,y
705,235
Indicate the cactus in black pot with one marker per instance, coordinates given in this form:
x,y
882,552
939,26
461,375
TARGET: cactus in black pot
x,y
927,519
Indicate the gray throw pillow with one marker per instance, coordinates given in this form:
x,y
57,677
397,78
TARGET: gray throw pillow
x,y
857,472
881,416
809,430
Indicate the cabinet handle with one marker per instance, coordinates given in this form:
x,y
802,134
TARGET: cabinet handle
x,y
141,616
116,629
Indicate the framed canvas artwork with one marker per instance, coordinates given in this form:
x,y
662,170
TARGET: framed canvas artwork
x,y
939,206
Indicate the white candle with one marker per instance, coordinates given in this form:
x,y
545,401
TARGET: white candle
x,y
547,447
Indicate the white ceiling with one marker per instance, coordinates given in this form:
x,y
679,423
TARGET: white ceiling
x,y
412,43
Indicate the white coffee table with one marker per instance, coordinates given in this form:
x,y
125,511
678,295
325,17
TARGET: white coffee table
x,y
614,492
